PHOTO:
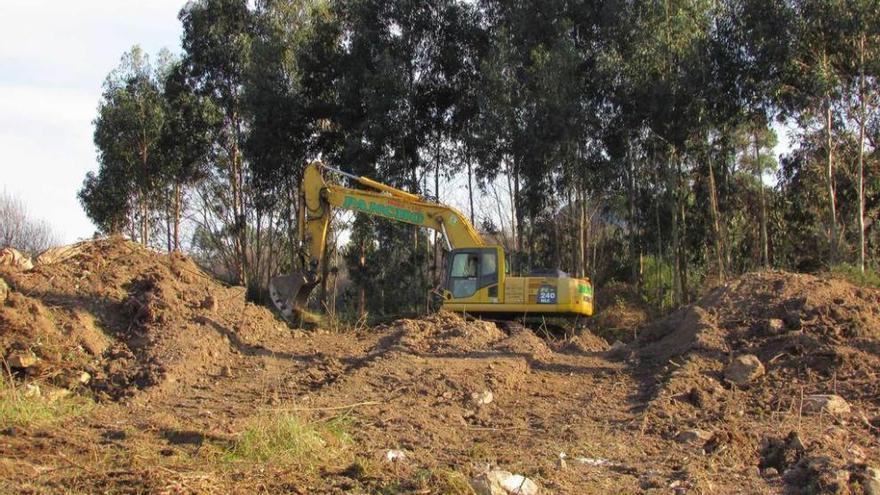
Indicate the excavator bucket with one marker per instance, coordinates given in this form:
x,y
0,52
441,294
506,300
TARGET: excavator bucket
x,y
290,293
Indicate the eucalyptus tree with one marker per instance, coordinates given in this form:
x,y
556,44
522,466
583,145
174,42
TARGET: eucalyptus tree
x,y
861,69
814,85
128,128
217,37
184,143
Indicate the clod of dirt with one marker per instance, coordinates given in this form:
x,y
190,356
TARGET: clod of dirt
x,y
13,258
691,328
781,454
817,475
695,436
867,478
827,403
774,326
585,341
619,351
744,369
524,342
53,394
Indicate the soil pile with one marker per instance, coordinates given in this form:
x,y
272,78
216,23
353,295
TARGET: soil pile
x,y
130,317
443,332
778,370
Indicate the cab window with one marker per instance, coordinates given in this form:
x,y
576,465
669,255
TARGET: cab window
x,y
489,264
488,268
463,276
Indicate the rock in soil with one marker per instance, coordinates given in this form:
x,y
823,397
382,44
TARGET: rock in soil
x,y
482,398
21,359
831,404
497,482
870,481
744,369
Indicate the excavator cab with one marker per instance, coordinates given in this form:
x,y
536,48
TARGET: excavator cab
x,y
479,282
473,274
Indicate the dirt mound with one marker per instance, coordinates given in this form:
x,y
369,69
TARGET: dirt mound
x,y
774,345
443,332
584,341
133,318
793,320
522,341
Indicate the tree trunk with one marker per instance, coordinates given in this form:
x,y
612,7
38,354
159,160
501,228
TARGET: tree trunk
x,y
362,293
470,184
582,234
765,250
716,225
435,268
862,118
238,203
682,252
177,200
169,206
829,179
676,252
517,217
634,244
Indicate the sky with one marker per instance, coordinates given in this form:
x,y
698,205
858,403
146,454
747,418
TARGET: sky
x,y
54,57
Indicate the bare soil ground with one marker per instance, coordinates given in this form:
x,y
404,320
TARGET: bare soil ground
x,y
183,372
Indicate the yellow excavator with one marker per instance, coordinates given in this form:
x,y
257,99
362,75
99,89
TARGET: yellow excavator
x,y
477,278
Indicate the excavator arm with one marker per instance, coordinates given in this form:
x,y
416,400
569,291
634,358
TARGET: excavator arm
x,y
290,292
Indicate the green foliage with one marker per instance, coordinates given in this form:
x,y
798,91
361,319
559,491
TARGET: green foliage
x,y
596,135
870,277
287,439
657,276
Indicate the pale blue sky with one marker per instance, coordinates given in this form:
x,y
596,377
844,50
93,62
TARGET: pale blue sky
x,y
54,56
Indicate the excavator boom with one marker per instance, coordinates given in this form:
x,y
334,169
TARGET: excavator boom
x,y
290,292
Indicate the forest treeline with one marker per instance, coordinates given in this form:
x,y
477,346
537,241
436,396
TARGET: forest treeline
x,y
627,140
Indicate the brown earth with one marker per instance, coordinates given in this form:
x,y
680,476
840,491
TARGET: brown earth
x,y
181,365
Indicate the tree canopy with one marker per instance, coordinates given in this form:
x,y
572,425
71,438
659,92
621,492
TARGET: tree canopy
x,y
621,140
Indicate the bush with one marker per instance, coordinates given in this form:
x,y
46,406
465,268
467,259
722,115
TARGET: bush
x,y
19,230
